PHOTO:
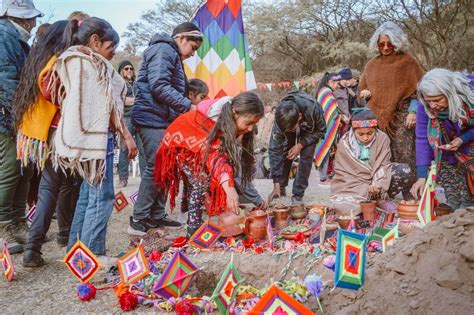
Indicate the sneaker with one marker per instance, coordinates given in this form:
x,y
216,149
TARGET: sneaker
x,y
32,259
283,191
122,183
296,200
21,232
182,217
107,261
138,228
7,234
165,222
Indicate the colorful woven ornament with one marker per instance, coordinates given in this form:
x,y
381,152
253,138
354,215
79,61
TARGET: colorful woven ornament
x,y
227,287
176,277
31,214
133,266
134,197
277,301
223,60
389,238
81,262
350,260
7,263
120,201
128,301
428,201
207,234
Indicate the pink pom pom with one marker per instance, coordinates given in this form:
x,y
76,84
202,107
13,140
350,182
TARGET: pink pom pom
x,y
86,291
128,301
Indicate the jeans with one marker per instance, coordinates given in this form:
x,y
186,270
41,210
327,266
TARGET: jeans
x,y
124,162
304,167
14,182
151,202
56,191
94,209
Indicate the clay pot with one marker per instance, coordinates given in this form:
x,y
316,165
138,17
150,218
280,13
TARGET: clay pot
x,y
368,209
344,223
298,212
281,217
256,224
407,210
442,210
230,222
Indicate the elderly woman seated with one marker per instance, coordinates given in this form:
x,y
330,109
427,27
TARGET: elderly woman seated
x,y
363,169
445,134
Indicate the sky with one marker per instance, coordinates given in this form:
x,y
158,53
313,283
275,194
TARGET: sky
x,y
119,13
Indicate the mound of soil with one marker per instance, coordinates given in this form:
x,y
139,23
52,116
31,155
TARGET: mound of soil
x,y
429,271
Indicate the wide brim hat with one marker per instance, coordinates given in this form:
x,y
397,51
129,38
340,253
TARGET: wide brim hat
x,y
22,9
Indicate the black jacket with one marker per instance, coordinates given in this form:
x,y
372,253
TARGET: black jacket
x,y
161,83
312,128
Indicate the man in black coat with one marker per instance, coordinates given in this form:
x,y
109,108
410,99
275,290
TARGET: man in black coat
x,y
298,127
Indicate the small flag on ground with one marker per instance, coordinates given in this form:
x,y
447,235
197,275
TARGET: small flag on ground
x,y
7,263
350,260
389,238
207,234
81,262
277,301
120,201
226,288
176,278
428,202
134,197
133,266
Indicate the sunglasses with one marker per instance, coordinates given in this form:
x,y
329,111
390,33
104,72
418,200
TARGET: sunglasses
x,y
128,69
382,45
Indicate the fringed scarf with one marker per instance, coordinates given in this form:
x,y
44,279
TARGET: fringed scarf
x,y
186,140
435,137
93,101
391,80
31,145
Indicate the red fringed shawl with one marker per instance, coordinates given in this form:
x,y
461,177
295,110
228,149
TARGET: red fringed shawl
x,y
185,140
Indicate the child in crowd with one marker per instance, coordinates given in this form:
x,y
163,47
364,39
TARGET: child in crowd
x,y
91,96
209,161
363,168
197,91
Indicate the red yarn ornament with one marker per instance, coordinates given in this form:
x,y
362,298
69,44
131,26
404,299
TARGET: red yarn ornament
x,y
184,307
300,237
180,241
155,256
259,250
248,242
128,301
86,291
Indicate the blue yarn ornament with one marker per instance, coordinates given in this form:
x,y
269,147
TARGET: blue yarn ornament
x,y
86,291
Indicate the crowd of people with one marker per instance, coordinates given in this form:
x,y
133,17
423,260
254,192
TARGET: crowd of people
x,y
63,109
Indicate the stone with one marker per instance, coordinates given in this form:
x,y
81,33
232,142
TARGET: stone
x,y
449,278
414,304
467,251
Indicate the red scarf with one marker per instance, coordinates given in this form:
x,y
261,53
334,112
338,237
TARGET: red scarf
x,y
185,140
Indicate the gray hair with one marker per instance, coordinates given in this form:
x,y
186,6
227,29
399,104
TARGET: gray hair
x,y
397,36
454,85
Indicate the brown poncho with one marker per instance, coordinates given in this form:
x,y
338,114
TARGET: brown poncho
x,y
391,80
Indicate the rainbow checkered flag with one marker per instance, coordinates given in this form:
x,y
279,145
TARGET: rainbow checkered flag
x,y
350,260
223,60
428,201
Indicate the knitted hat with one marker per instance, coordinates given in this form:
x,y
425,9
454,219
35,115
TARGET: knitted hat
x,y
22,9
346,74
123,64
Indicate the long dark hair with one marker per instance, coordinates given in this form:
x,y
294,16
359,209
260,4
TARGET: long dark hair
x,y
81,31
187,27
325,80
246,103
49,43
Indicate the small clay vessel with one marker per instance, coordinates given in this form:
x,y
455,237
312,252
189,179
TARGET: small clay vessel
x,y
298,212
407,210
281,217
368,209
256,224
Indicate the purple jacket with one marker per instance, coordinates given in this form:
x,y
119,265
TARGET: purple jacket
x,y
424,152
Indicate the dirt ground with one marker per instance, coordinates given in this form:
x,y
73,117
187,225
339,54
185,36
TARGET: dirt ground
x,y
51,288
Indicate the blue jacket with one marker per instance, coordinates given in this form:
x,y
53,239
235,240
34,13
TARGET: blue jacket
x,y
161,84
13,51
